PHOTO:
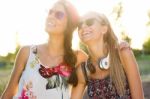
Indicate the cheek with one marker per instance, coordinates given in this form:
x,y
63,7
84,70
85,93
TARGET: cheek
x,y
62,26
98,31
79,33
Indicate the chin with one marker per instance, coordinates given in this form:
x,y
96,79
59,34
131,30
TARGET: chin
x,y
86,39
49,30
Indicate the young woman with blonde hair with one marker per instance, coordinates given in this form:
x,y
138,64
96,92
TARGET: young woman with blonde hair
x,y
111,71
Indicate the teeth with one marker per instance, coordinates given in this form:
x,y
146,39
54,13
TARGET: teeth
x,y
86,34
51,24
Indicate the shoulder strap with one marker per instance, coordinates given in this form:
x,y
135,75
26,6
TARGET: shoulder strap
x,y
84,71
34,49
31,57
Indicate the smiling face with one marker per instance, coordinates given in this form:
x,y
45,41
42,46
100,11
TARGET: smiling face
x,y
90,28
56,20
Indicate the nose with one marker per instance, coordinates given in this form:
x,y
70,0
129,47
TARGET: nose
x,y
51,15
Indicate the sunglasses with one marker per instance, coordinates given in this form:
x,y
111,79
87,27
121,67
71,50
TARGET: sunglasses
x,y
58,14
88,22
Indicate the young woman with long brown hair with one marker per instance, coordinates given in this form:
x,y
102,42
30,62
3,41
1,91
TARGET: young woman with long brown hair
x,y
42,71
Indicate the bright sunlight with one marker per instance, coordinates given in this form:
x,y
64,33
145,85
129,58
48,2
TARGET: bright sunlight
x,y
22,21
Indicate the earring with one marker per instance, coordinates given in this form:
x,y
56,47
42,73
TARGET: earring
x,y
104,62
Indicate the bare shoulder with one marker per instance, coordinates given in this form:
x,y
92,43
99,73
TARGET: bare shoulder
x,y
22,56
81,56
127,56
24,51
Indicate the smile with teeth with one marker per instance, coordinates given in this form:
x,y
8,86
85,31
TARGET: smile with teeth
x,y
85,34
51,24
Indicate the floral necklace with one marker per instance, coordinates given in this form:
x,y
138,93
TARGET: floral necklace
x,y
55,74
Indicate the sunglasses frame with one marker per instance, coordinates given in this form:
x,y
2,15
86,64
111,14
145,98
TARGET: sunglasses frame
x,y
88,22
58,14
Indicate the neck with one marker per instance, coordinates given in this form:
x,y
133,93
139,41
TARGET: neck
x,y
97,50
55,45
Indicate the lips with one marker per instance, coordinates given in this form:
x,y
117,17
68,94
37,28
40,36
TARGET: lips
x,y
86,34
51,24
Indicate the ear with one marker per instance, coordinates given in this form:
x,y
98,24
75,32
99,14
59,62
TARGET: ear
x,y
104,29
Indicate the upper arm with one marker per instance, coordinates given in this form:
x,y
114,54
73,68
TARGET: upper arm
x,y
132,72
19,66
78,90
81,57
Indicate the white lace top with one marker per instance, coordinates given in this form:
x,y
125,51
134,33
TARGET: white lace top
x,y
33,86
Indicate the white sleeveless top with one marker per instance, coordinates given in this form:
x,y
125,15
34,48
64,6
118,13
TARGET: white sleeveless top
x,y
33,86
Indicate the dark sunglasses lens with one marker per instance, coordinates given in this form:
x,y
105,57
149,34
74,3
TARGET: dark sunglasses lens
x,y
90,22
59,15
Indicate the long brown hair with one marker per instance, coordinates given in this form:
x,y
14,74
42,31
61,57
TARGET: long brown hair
x,y
69,55
117,73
